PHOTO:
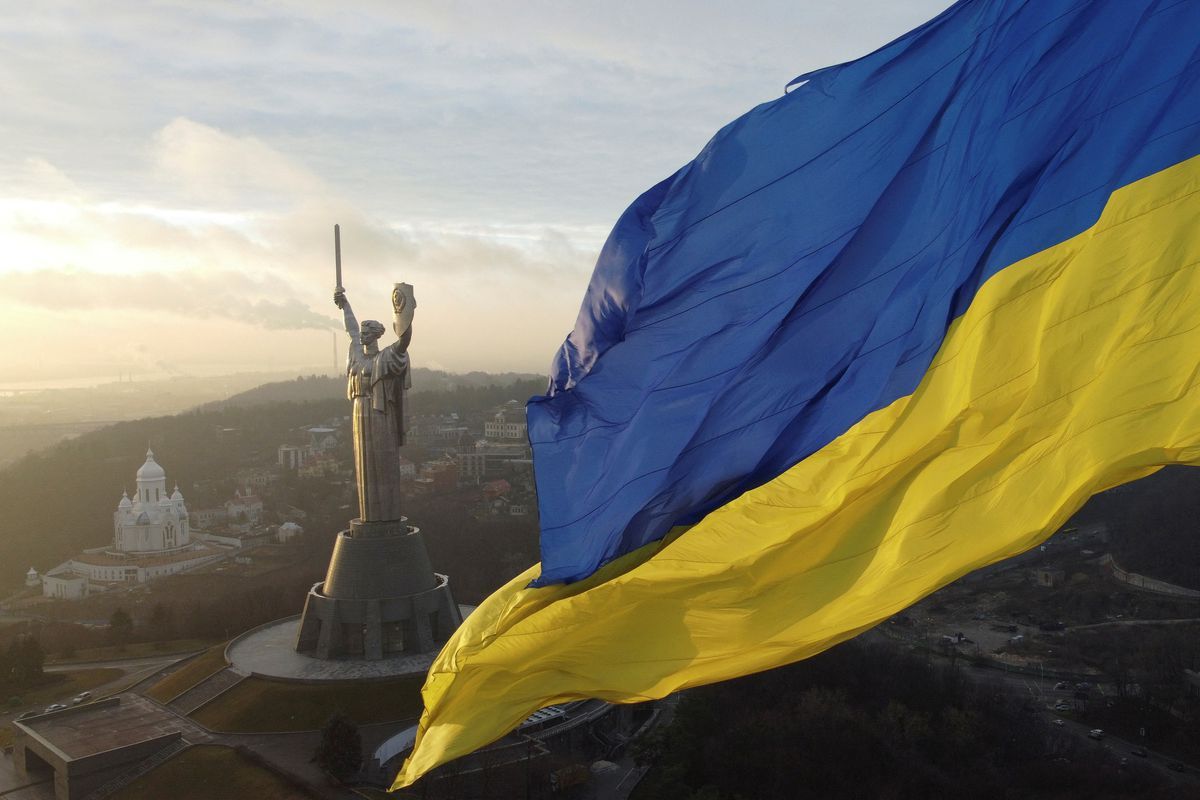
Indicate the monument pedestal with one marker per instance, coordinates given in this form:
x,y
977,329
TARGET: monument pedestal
x,y
380,597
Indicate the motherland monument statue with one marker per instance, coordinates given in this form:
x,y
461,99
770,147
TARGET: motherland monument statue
x,y
380,597
378,380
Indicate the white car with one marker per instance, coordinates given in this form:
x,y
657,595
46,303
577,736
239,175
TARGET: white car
x,y
1058,723
82,697
52,708
1096,733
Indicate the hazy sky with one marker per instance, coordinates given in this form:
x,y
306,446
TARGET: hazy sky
x,y
170,172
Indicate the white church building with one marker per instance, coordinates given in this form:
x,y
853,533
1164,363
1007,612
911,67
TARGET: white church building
x,y
156,521
151,539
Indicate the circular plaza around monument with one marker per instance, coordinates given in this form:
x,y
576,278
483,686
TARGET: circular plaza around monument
x,y
269,651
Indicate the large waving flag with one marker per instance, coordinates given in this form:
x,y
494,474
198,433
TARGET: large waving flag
x,y
896,325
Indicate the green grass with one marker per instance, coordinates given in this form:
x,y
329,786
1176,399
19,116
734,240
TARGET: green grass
x,y
258,705
209,771
210,662
139,650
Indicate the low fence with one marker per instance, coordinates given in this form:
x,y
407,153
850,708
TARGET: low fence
x,y
1147,584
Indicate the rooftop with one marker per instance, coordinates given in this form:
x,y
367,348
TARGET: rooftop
x,y
152,559
86,730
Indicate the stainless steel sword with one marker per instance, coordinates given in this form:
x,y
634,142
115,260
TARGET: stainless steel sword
x,y
337,256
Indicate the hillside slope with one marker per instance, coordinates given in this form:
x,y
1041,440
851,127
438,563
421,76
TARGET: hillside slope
x,y
57,501
327,387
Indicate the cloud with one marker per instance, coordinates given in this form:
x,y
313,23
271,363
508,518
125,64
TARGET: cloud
x,y
189,295
42,180
221,169
227,257
188,160
535,113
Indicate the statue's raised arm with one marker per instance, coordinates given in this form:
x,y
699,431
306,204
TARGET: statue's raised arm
x,y
350,321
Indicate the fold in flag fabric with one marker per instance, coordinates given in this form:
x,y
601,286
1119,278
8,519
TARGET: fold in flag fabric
x,y
891,327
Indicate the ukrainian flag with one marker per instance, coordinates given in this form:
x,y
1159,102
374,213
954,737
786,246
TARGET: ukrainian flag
x,y
894,326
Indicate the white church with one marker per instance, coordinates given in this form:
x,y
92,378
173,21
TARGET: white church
x,y
151,539
155,521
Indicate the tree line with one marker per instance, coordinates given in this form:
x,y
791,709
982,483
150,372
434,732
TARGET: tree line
x,y
870,721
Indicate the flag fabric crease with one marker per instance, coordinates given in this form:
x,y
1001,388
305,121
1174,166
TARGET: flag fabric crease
x,y
896,325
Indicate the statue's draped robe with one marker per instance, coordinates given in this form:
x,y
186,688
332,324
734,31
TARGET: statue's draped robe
x,y
377,385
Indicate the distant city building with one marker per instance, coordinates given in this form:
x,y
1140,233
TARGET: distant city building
x,y
258,478
151,538
472,467
64,584
244,507
208,517
291,457
501,498
507,423
490,459
451,433
437,477
321,438
319,465
287,532
407,468
245,538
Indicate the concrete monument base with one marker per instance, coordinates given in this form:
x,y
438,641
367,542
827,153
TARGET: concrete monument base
x,y
380,598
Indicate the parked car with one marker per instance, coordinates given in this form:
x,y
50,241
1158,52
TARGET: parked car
x,y
1139,752
52,708
82,697
1058,687
1062,705
1058,723
1096,733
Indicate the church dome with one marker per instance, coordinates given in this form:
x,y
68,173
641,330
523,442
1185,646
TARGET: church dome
x,y
125,503
176,495
151,471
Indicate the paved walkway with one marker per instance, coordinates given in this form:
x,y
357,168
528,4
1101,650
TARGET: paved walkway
x,y
207,689
270,651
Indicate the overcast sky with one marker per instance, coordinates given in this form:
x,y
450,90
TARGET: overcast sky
x,y
171,171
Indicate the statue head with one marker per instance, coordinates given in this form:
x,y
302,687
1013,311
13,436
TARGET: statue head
x,y
369,331
404,304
